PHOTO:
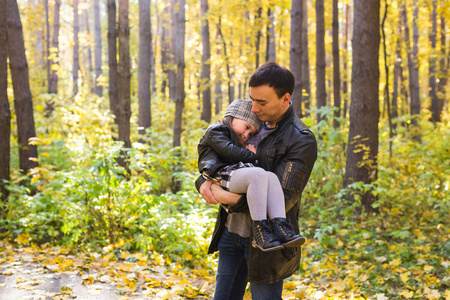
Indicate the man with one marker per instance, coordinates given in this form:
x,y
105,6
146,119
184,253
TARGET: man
x,y
286,147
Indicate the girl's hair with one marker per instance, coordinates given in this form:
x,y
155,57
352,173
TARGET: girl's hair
x,y
227,122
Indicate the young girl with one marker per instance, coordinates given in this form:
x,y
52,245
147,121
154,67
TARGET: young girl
x,y
224,158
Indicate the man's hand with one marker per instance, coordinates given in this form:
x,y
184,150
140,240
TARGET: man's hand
x,y
205,191
251,148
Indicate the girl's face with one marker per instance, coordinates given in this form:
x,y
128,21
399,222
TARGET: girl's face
x,y
242,129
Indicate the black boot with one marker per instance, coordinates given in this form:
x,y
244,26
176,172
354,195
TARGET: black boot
x,y
263,237
285,233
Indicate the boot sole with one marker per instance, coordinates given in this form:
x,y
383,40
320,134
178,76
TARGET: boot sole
x,y
267,249
295,243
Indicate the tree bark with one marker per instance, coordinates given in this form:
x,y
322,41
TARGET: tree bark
x,y
443,66
258,29
98,48
112,59
5,112
23,101
270,38
295,54
165,48
206,63
321,93
413,69
144,67
306,77
76,46
435,113
47,41
345,59
87,47
397,76
336,67
180,31
53,82
227,64
362,151
124,75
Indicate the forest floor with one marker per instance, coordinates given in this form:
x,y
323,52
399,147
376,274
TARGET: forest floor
x,y
57,273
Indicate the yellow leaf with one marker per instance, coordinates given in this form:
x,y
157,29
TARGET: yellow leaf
x,y
431,294
289,285
396,262
428,268
404,277
407,294
23,238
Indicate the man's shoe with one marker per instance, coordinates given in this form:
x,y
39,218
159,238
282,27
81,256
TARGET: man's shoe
x,y
263,237
285,233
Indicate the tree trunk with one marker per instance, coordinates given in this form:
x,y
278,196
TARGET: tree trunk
x,y
227,64
172,71
206,63
306,77
87,47
336,68
180,29
218,95
270,39
435,113
23,101
295,54
112,59
397,75
258,29
413,70
5,112
345,59
98,48
53,82
76,58
165,49
362,148
321,92
443,66
124,75
47,41
144,66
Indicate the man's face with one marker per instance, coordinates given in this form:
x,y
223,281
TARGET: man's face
x,y
266,104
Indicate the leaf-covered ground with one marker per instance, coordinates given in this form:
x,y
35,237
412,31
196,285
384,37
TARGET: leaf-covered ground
x,y
120,275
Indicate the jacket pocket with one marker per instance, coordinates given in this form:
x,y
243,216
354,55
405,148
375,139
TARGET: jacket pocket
x,y
294,178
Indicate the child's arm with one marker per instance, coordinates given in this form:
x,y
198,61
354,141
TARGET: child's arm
x,y
220,141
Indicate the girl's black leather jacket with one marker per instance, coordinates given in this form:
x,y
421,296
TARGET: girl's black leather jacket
x,y
290,152
219,147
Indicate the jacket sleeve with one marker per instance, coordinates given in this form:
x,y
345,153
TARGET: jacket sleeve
x,y
219,140
296,166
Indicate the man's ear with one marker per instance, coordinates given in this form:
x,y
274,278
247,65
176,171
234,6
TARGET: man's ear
x,y
286,99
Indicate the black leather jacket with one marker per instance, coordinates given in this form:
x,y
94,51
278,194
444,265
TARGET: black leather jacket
x,y
218,148
290,152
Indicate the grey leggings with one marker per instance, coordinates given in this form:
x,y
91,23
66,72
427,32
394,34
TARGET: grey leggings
x,y
264,193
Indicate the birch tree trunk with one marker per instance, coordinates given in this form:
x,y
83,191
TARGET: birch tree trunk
x,y
87,47
321,93
306,77
336,63
5,112
98,48
443,66
76,58
124,75
295,54
362,151
206,63
144,66
23,101
112,59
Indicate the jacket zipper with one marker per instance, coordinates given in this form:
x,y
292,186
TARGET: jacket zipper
x,y
287,173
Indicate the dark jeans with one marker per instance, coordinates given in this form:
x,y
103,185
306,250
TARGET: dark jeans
x,y
231,278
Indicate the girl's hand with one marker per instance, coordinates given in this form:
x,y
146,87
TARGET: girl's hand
x,y
251,148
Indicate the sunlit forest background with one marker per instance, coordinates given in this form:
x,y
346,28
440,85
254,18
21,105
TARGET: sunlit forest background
x,y
102,104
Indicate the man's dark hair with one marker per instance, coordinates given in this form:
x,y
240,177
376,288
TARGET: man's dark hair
x,y
279,78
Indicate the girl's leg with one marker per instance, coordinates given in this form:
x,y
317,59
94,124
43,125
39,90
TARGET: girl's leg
x,y
275,197
253,182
